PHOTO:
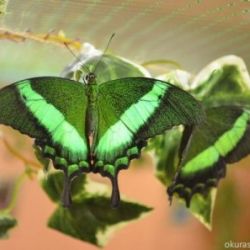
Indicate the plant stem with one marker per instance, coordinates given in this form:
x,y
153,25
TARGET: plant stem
x,y
14,152
58,39
15,192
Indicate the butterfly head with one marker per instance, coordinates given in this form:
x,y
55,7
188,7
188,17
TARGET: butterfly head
x,y
90,78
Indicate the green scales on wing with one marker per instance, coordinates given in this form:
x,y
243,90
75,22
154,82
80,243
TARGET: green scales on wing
x,y
94,128
220,139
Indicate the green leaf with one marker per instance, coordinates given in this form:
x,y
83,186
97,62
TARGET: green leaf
x,y
160,65
110,67
179,78
238,99
6,223
91,219
166,148
227,77
202,207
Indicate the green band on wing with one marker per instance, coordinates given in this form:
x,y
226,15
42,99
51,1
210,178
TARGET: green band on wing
x,y
63,135
120,135
224,145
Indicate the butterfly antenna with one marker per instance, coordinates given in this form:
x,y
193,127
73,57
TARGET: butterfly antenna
x,y
77,57
110,39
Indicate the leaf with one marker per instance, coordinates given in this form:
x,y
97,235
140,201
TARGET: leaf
x,y
226,77
160,65
90,218
202,207
179,78
166,148
6,223
110,67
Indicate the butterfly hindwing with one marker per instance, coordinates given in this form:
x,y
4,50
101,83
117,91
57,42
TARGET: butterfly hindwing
x,y
215,142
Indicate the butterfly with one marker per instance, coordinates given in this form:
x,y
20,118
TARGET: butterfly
x,y
222,138
90,127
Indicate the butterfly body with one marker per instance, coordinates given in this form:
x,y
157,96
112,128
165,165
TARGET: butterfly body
x,y
92,116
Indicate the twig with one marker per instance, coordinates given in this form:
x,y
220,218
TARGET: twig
x,y
14,152
58,39
15,192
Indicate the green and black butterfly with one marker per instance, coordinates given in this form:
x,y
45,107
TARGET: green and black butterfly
x,y
219,140
94,127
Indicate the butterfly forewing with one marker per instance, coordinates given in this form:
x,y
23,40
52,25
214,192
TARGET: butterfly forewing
x,y
50,109
135,109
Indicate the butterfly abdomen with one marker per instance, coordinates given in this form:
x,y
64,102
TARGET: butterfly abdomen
x,y
91,116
